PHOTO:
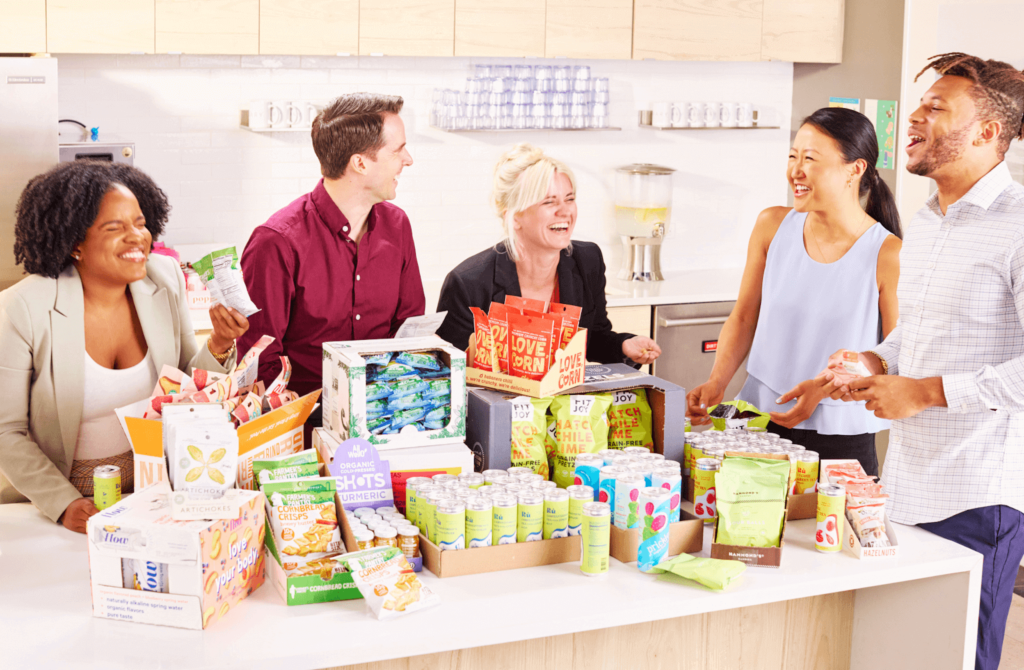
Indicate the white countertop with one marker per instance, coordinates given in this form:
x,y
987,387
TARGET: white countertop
x,y
46,615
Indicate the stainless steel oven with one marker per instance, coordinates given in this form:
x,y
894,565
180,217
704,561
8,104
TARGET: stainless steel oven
x,y
113,151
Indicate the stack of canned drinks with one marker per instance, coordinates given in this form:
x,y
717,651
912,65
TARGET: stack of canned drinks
x,y
383,527
506,97
620,477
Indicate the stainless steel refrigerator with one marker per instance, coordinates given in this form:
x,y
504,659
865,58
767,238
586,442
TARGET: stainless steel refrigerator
x,y
28,141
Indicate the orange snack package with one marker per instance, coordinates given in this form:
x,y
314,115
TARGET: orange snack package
x,y
524,303
484,356
498,316
570,320
529,339
557,331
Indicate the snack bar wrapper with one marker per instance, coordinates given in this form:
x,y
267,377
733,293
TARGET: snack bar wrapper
x,y
222,274
387,582
846,366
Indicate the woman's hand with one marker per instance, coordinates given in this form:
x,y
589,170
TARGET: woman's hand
x,y
228,326
77,514
642,350
807,394
699,399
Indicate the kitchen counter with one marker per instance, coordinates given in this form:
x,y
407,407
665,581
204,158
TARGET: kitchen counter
x,y
916,610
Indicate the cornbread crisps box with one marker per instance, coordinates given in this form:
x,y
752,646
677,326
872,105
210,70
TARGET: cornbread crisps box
x,y
211,566
272,434
567,371
319,581
346,413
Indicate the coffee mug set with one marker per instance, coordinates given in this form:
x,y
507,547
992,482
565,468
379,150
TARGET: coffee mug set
x,y
281,114
703,115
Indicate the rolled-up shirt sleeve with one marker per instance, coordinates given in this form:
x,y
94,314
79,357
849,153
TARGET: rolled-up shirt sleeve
x,y
889,349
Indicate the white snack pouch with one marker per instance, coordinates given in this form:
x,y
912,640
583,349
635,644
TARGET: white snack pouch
x,y
387,583
206,460
177,415
222,274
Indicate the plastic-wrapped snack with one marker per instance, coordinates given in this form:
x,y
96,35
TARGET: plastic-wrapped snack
x,y
376,408
498,316
387,582
437,388
524,303
205,460
439,413
419,360
440,401
380,360
846,366
432,425
303,517
529,428
724,411
251,407
443,373
222,274
403,418
407,402
379,425
393,371
286,466
483,356
581,425
556,331
530,341
867,518
407,386
570,320
751,501
378,391
629,420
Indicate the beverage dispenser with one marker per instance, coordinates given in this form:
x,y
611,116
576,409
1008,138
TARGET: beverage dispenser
x,y
643,209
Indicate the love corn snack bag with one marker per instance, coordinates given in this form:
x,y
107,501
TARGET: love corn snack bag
x,y
529,431
556,331
570,320
483,358
581,425
524,303
498,316
530,341
629,420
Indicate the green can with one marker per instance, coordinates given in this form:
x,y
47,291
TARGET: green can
x,y
421,493
556,513
450,524
579,495
504,518
411,487
106,485
479,522
428,509
596,532
530,527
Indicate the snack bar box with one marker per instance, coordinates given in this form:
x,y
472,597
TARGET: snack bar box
x,y
489,428
567,371
443,459
851,543
209,567
344,391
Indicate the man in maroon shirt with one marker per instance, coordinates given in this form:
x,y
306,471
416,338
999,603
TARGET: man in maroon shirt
x,y
338,263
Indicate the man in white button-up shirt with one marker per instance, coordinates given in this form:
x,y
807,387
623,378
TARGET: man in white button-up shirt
x,y
951,373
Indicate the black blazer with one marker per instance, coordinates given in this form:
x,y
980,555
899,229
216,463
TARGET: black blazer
x,y
491,275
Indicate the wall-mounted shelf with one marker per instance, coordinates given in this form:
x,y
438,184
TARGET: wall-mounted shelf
x,y
523,130
644,125
274,130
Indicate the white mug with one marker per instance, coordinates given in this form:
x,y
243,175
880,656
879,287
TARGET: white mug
x,y
728,116
745,115
293,114
678,114
695,114
713,114
661,114
309,112
277,114
258,114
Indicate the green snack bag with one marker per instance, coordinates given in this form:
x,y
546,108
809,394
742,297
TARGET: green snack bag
x,y
581,425
737,414
629,420
713,573
751,500
550,442
529,429
285,466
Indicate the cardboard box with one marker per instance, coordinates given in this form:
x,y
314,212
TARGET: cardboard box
x,y
852,545
567,371
761,557
274,433
449,459
307,589
344,379
686,536
350,539
211,565
501,557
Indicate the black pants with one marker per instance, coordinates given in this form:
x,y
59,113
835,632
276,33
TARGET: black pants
x,y
861,447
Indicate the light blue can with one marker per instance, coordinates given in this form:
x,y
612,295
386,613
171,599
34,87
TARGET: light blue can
x,y
655,503
609,475
588,471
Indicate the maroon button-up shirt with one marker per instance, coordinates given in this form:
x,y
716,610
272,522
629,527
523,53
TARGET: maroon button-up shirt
x,y
314,284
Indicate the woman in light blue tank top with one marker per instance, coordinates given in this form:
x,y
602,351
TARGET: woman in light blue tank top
x,y
819,277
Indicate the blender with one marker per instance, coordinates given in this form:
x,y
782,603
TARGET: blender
x,y
643,207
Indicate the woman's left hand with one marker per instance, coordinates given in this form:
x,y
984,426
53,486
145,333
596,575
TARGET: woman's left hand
x,y
807,394
228,326
642,350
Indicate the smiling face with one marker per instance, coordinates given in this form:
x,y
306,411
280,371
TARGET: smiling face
x,y
818,172
548,225
942,128
117,244
382,172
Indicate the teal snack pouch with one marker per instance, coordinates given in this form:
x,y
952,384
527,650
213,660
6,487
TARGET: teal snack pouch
x,y
377,391
378,425
437,388
419,360
433,425
407,386
529,427
378,359
395,371
581,425
407,402
751,501
443,373
403,418
629,420
376,408
438,413
286,466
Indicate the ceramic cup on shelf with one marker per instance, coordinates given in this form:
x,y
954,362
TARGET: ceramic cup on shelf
x,y
695,114
729,115
294,114
745,114
661,114
679,119
309,112
259,114
277,114
713,115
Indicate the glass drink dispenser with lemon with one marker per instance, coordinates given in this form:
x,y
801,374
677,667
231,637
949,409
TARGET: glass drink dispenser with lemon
x,y
643,208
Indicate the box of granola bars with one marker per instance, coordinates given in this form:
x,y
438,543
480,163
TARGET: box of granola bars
x,y
395,393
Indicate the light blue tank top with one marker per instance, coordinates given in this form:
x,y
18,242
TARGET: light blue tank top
x,y
809,310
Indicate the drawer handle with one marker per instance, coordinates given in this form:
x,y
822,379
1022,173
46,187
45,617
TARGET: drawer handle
x,y
702,321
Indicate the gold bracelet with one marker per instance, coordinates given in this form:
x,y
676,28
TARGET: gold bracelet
x,y
220,358
885,366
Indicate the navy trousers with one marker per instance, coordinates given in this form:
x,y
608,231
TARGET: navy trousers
x,y
997,533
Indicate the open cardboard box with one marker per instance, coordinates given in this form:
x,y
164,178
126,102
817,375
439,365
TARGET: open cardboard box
x,y
851,543
308,589
344,387
686,536
350,539
501,557
566,372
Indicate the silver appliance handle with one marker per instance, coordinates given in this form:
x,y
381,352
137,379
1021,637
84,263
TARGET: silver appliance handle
x,y
704,321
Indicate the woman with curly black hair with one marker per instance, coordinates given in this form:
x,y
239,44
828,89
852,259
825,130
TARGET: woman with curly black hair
x,y
88,331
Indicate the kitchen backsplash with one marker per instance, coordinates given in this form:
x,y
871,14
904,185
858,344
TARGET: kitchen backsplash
x,y
183,114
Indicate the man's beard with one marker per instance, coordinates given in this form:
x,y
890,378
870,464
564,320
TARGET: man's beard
x,y
943,151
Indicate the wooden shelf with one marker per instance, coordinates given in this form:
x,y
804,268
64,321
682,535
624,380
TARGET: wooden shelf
x,y
642,125
305,129
522,130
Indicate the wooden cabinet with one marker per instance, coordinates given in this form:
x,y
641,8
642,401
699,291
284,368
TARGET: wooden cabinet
x,y
803,31
23,28
506,28
208,26
589,29
309,27
407,27
697,29
100,26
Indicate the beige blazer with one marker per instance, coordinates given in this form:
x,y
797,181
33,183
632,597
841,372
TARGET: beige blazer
x,y
42,372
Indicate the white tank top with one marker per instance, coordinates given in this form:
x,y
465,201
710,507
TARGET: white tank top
x,y
99,433
809,310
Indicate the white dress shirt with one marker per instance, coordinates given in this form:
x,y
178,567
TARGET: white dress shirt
x,y
961,296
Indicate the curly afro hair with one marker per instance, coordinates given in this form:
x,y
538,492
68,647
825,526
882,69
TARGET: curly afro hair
x,y
58,207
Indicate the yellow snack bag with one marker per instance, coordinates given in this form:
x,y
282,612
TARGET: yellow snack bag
x,y
581,425
529,433
303,518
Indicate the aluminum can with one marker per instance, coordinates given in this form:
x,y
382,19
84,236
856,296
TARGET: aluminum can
x,y
556,513
588,470
479,522
609,474
655,503
450,524
443,479
596,531
578,496
412,485
495,476
644,468
518,470
428,506
473,480
609,455
530,526
504,519
106,485
807,472
627,494
636,451
144,575
828,533
704,493
670,479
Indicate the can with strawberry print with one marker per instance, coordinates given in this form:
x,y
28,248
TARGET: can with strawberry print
x,y
626,512
670,479
654,503
704,492
828,532
587,471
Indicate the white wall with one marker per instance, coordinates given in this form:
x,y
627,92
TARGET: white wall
x,y
182,112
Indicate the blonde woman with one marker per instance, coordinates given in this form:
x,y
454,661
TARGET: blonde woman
x,y
535,198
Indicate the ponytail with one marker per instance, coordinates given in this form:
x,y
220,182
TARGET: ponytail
x,y
881,204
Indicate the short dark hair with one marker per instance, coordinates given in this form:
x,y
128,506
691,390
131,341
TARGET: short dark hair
x,y
352,124
998,91
57,208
